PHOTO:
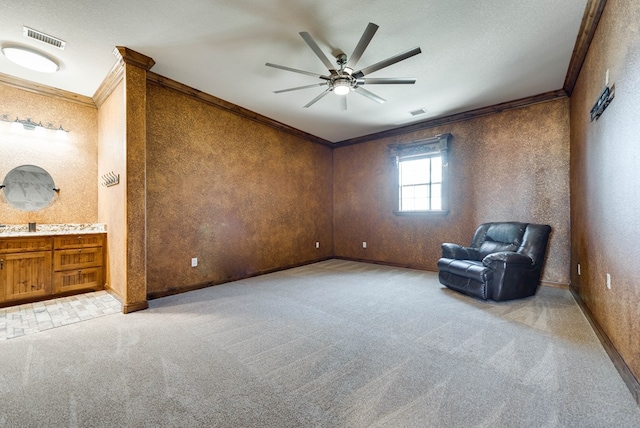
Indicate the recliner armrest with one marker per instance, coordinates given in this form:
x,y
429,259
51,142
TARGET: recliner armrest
x,y
458,252
508,257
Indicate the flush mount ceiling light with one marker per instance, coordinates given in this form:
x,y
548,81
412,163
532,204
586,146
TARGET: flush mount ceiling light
x,y
30,59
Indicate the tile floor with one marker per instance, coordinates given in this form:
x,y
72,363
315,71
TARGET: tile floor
x,y
16,321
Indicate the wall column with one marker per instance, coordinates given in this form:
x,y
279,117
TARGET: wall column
x,y
136,66
121,102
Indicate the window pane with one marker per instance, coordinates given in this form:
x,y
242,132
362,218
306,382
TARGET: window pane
x,y
420,184
414,171
421,191
436,204
421,204
436,190
436,169
407,204
406,192
423,174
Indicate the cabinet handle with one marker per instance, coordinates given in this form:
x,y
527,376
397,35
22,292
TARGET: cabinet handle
x,y
1,264
79,251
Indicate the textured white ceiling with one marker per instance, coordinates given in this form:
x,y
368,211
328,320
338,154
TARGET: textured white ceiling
x,y
475,53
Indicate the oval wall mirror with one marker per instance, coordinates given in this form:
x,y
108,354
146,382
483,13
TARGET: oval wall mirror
x,y
29,188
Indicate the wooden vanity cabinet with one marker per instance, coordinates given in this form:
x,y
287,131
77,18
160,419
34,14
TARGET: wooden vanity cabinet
x,y
78,262
25,268
39,267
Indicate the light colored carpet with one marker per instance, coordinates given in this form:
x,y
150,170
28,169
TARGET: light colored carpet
x,y
332,344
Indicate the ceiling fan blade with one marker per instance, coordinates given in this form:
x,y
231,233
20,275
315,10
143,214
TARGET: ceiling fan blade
x,y
316,49
300,87
386,81
368,94
343,102
387,62
313,101
295,70
362,45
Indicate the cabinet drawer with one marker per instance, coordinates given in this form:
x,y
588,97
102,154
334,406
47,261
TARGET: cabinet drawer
x,y
78,241
89,278
77,258
23,245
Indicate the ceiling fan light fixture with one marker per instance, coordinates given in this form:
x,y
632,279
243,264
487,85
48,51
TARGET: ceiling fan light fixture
x,y
341,85
30,59
341,89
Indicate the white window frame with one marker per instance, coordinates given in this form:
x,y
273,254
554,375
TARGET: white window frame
x,y
430,148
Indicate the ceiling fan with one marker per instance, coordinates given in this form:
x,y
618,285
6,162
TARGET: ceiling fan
x,y
344,79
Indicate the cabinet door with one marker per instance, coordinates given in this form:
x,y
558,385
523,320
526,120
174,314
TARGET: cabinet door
x,y
25,275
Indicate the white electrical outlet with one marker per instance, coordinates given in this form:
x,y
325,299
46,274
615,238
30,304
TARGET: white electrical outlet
x,y
578,269
608,282
317,244
364,244
194,261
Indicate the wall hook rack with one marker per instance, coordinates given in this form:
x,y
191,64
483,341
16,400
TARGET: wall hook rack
x,y
110,179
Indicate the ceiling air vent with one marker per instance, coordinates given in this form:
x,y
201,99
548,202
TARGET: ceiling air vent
x,y
44,38
418,112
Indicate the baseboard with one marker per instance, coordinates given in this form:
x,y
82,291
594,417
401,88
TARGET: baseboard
x,y
130,307
554,285
191,287
378,262
623,369
133,307
178,290
410,266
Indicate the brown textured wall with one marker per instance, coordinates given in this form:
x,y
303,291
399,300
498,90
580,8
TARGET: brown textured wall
x,y
72,161
112,154
240,196
508,166
605,197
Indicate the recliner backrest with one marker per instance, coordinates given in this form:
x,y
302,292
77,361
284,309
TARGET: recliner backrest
x,y
495,237
534,243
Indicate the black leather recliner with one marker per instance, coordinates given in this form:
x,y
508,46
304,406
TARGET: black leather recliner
x,y
503,262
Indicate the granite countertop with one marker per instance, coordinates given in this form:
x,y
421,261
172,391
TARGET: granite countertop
x,y
12,230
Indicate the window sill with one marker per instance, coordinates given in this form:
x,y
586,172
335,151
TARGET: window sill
x,y
421,213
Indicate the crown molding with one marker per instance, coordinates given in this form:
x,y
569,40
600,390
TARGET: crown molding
x,y
590,20
131,57
459,117
166,82
36,88
113,78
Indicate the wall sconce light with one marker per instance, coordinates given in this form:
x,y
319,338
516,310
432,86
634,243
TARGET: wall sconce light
x,y
30,125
